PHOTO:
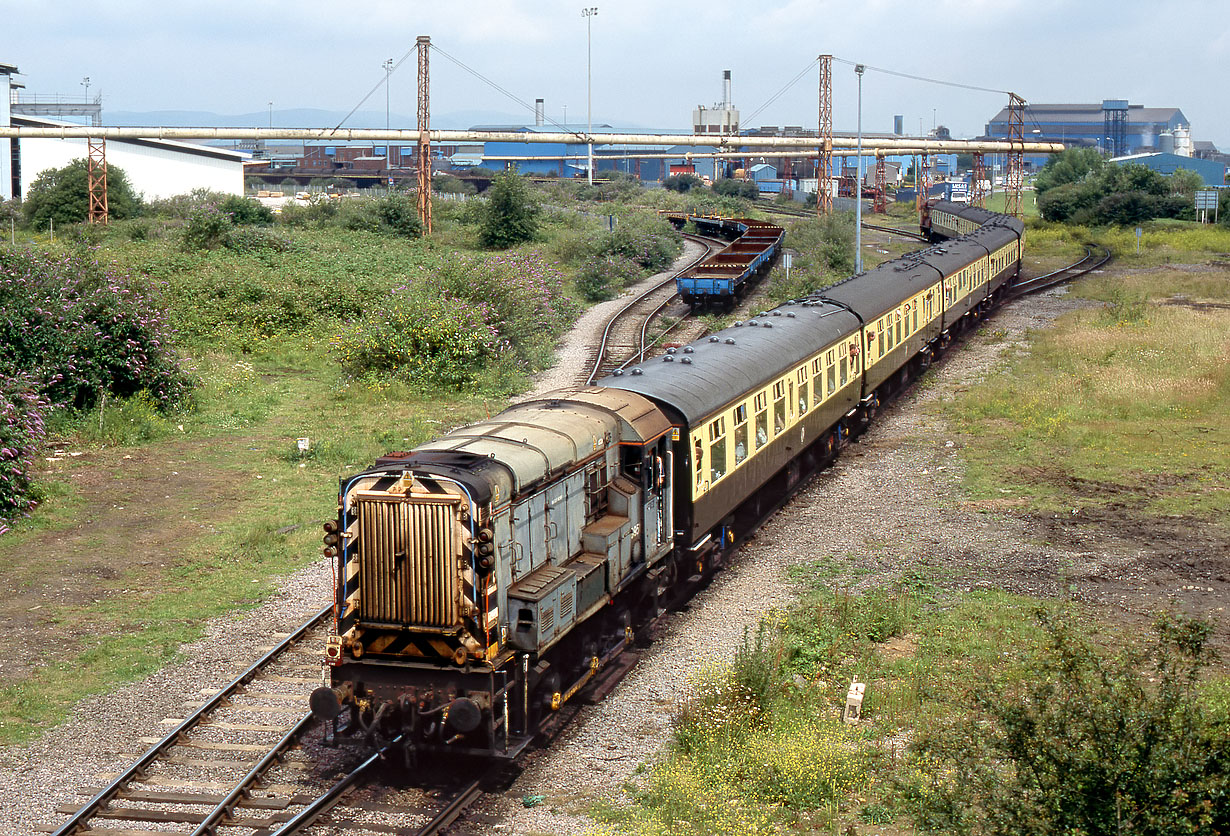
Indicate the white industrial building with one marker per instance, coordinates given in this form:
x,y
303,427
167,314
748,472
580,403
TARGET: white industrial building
x,y
155,168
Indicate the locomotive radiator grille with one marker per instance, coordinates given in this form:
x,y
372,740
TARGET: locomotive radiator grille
x,y
408,561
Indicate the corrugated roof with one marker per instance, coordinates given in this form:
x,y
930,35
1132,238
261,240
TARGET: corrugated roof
x,y
701,378
1090,114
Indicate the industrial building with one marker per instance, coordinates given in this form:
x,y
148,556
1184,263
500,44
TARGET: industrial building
x,y
155,168
1211,171
1115,126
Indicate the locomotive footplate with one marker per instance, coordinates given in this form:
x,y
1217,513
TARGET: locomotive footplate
x,y
435,710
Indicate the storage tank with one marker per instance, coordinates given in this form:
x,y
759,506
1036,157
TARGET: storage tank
x,y
1165,142
1183,141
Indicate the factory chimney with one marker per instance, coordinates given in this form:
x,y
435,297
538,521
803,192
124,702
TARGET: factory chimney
x,y
726,89
540,115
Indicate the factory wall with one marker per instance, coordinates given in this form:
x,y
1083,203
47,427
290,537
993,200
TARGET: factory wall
x,y
155,170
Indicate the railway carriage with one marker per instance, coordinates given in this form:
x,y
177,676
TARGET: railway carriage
x,y
721,278
484,578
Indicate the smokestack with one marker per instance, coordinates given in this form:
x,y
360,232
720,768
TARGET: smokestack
x,y
540,114
726,88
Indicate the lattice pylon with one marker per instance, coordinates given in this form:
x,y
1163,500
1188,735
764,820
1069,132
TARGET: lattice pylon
x,y
423,153
96,179
1016,155
880,206
824,197
977,194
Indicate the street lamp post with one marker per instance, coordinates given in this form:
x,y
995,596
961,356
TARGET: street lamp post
x,y
858,181
388,70
85,82
588,13
271,114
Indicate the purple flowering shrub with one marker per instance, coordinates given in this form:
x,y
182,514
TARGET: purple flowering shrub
x,y
21,430
80,329
520,294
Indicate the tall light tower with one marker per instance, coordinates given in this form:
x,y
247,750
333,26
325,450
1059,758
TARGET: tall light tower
x,y
388,70
858,181
85,82
588,13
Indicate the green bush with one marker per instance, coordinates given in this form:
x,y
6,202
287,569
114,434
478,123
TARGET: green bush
x,y
245,211
1089,743
79,330
428,340
63,195
602,278
745,189
206,229
22,411
511,213
682,182
519,294
399,214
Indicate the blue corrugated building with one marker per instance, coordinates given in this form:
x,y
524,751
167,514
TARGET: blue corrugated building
x,y
1213,173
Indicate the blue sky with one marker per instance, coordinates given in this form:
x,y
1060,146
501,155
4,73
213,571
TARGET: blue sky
x,y
652,61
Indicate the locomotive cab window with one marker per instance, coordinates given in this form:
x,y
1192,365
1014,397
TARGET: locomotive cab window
x,y
740,433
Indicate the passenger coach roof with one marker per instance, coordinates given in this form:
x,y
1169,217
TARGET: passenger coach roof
x,y
701,378
885,287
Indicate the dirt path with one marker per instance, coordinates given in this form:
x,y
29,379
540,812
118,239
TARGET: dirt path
x,y
133,511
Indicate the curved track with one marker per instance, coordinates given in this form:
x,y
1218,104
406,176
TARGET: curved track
x,y
625,340
1095,256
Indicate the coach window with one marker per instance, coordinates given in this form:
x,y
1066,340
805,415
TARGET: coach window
x,y
831,368
801,376
817,381
779,406
841,365
761,405
699,464
898,318
880,339
740,433
854,357
717,449
914,308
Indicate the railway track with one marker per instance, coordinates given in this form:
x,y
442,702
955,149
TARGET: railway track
x,y
1095,256
225,765
891,230
626,340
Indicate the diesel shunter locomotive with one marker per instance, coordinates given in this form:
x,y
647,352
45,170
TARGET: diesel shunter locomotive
x,y
483,579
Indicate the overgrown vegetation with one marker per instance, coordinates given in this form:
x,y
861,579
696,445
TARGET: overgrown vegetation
x,y
1079,186
62,195
1066,736
823,251
511,215
1085,742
